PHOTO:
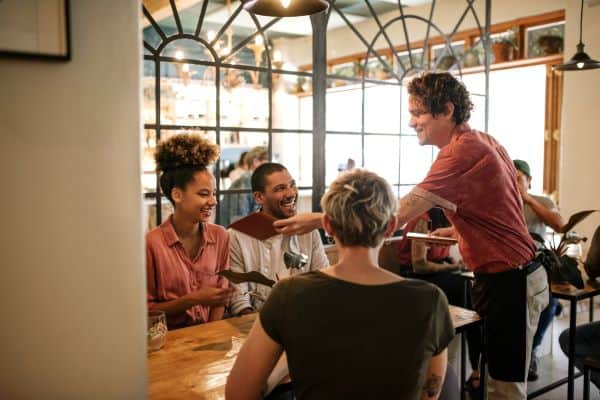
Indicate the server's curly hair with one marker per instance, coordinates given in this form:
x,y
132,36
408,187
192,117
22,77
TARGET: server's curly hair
x,y
435,90
179,157
360,204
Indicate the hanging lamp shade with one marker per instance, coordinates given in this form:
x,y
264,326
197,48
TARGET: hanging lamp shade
x,y
285,8
580,60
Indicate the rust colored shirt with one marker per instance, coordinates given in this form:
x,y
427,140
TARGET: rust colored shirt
x,y
474,180
172,274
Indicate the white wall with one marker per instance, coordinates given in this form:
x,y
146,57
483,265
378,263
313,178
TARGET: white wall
x,y
71,246
580,131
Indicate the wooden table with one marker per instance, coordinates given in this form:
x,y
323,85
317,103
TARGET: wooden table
x,y
195,361
567,292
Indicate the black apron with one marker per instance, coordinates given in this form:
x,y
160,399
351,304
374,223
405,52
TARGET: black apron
x,y
501,299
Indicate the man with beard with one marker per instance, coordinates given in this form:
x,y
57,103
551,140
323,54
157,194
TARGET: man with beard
x,y
275,192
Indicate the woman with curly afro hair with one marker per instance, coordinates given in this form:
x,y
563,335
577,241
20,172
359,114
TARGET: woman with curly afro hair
x,y
184,253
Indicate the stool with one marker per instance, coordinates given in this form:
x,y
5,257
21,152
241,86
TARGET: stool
x,y
589,364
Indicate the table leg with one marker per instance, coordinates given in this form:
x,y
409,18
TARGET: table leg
x,y
463,347
463,368
483,363
572,325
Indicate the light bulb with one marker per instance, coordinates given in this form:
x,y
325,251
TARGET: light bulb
x,y
225,50
211,36
277,57
285,3
258,39
185,67
179,55
580,65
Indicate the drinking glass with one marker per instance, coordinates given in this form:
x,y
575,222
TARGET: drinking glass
x,y
157,330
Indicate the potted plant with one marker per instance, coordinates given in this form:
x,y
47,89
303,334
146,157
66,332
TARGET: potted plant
x,y
563,267
550,44
504,46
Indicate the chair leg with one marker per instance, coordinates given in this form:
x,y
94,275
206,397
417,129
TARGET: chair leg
x,y
586,383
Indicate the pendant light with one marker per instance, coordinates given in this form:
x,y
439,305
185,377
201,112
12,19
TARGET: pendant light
x,y
285,8
580,60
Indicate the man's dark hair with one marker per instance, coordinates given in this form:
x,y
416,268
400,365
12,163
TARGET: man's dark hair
x,y
259,176
434,90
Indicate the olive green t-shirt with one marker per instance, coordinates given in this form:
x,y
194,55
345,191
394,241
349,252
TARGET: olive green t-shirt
x,y
351,341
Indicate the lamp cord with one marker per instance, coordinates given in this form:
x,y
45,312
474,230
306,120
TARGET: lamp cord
x,y
581,23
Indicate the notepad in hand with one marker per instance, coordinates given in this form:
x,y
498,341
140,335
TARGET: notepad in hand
x,y
258,225
423,237
252,276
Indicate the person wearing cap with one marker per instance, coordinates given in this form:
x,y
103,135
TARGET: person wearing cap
x,y
540,212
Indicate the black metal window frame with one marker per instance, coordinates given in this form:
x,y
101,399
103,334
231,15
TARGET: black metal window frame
x,y
318,75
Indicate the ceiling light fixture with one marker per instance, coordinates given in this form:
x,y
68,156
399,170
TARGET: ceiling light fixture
x,y
580,60
285,8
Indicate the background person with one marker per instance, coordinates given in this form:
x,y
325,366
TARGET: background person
x,y
337,323
239,169
540,213
185,252
238,205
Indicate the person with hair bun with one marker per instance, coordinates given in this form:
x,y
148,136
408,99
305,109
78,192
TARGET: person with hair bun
x,y
352,330
184,253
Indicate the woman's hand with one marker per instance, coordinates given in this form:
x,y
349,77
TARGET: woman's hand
x,y
299,224
210,296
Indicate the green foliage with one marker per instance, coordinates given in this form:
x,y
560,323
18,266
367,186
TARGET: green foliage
x,y
562,266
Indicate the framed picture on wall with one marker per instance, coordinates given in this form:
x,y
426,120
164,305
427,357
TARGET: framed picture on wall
x,y
35,29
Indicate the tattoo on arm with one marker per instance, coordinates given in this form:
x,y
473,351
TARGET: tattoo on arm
x,y
432,385
411,206
409,200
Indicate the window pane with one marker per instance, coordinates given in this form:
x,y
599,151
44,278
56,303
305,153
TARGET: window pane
x,y
233,144
188,49
304,201
148,82
415,160
405,115
477,120
242,105
149,211
344,109
338,150
525,139
376,69
292,102
446,57
545,40
381,156
295,152
150,35
382,109
403,190
188,94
